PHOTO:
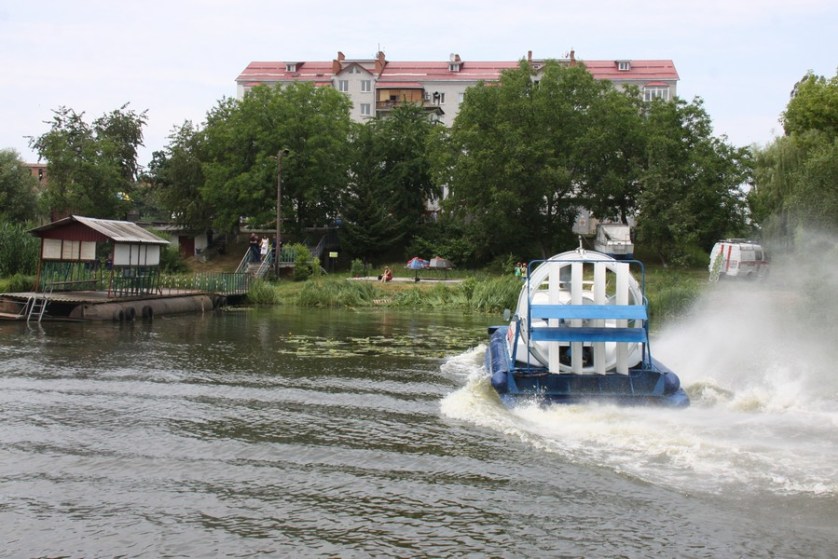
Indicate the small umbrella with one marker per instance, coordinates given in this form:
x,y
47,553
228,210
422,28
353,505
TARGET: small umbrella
x,y
416,263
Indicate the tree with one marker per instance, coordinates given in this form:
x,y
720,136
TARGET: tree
x,y
612,152
794,184
242,140
795,176
369,225
390,185
516,166
692,182
92,169
177,178
18,201
813,106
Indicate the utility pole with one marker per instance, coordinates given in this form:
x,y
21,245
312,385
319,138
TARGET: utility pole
x,y
278,240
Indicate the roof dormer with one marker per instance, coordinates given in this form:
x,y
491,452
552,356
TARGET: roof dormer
x,y
454,63
292,66
623,65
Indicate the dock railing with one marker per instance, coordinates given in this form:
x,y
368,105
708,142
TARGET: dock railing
x,y
220,283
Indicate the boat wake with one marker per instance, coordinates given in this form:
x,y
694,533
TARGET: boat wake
x,y
759,370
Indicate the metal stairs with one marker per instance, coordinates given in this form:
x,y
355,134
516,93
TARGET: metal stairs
x,y
36,305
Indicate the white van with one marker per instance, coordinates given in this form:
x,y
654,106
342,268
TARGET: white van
x,y
738,258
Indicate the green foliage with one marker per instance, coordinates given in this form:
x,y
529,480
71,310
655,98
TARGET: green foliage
x,y
384,205
813,106
357,268
795,176
510,159
468,286
92,168
330,292
242,139
692,183
305,265
262,293
611,152
17,283
19,250
445,238
496,294
176,177
671,295
171,261
18,202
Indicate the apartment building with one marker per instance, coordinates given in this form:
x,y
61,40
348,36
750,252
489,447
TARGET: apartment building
x,y
377,85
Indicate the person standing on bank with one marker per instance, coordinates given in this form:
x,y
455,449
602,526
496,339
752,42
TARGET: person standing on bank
x,y
263,248
254,247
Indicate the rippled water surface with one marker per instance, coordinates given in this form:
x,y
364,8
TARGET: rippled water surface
x,y
287,432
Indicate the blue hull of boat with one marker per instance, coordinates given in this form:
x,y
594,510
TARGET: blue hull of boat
x,y
651,385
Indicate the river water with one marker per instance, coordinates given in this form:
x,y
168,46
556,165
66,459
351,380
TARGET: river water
x,y
284,432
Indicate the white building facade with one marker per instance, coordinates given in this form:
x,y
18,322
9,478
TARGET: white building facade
x,y
376,85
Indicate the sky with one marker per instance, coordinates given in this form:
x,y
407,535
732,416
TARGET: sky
x,y
177,59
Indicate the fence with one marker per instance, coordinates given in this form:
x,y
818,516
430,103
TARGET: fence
x,y
222,283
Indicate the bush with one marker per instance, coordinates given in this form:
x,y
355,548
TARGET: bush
x,y
171,262
262,293
357,269
305,265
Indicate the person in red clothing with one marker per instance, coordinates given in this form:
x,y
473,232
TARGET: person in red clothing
x,y
387,275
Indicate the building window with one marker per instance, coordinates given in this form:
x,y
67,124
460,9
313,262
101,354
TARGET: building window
x,y
366,85
366,109
290,67
454,67
623,65
656,92
343,85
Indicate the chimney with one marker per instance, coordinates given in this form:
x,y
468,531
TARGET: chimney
x,y
380,62
572,57
336,63
529,56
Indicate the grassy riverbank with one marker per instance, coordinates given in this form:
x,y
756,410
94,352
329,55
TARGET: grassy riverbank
x,y
670,292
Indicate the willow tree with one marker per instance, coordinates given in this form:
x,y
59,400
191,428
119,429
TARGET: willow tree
x,y
795,177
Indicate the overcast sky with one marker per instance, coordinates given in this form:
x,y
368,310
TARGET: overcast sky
x,y
178,58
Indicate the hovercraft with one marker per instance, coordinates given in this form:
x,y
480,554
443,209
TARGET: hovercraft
x,y
581,333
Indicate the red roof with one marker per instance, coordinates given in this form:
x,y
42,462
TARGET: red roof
x,y
640,70
424,71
